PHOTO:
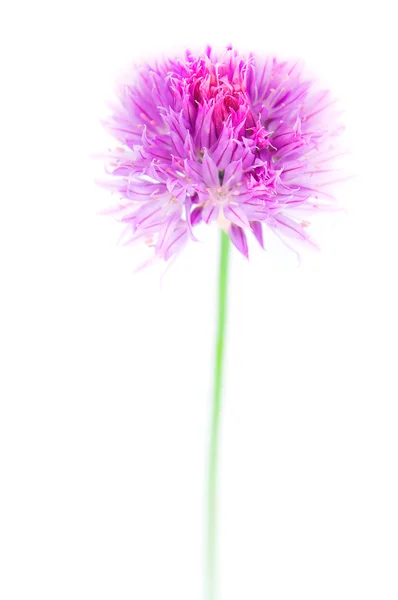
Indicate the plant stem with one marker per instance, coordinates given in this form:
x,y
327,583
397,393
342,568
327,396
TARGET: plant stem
x,y
211,562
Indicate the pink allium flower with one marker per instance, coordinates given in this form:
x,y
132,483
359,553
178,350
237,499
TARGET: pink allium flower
x,y
243,142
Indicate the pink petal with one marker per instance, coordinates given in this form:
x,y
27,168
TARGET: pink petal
x,y
238,238
236,215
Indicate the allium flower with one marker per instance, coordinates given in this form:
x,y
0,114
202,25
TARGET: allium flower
x,y
242,142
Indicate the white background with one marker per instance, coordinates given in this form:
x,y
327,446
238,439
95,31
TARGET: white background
x,y
106,376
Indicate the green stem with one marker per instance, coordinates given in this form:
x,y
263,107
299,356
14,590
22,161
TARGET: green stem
x,y
215,422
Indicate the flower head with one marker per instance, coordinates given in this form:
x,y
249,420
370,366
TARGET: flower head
x,y
238,141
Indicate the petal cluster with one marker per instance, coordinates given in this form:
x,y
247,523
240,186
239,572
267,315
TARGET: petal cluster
x,y
243,142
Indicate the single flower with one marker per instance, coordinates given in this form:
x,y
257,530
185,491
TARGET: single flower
x,y
243,142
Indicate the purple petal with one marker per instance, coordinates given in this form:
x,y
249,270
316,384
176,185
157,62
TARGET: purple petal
x,y
292,229
210,171
166,233
233,173
196,215
175,243
257,230
238,238
210,212
222,155
236,215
